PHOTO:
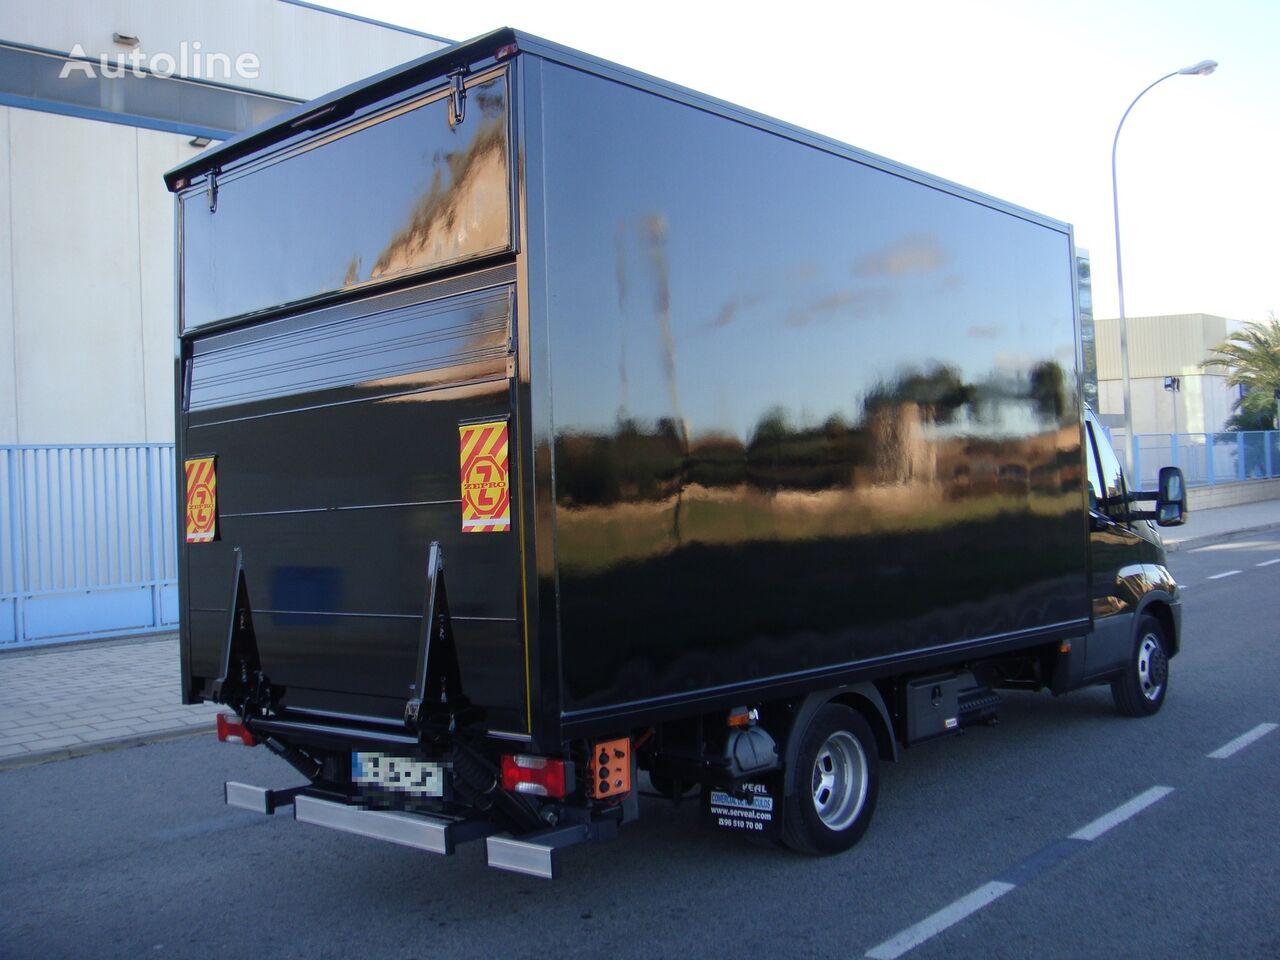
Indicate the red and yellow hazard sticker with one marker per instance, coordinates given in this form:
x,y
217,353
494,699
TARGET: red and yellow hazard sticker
x,y
202,499
486,493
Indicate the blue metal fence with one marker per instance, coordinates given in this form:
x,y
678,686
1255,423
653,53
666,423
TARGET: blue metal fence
x,y
87,542
1207,458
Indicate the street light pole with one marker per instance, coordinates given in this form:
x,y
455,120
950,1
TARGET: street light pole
x,y
1201,69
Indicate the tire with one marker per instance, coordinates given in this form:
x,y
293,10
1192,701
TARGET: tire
x,y
1141,689
837,780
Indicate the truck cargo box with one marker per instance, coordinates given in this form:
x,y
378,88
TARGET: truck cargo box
x,y
698,407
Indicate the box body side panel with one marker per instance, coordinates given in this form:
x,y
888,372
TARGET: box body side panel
x,y
805,412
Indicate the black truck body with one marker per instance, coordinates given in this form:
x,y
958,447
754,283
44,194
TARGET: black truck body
x,y
528,403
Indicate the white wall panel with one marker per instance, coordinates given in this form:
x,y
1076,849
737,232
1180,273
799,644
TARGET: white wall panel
x,y
8,367
76,302
1203,403
157,152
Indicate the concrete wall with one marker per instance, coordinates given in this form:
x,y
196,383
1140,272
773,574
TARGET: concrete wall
x,y
1232,494
1202,405
88,306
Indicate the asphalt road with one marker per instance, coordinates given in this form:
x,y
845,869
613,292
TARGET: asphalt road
x,y
132,853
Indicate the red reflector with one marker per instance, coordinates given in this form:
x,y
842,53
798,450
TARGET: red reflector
x,y
231,730
540,776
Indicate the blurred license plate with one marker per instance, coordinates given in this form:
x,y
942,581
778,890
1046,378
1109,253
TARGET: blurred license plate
x,y
416,778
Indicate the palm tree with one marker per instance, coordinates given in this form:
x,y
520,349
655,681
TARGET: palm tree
x,y
1253,357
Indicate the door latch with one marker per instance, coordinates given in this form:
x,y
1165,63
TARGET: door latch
x,y
457,96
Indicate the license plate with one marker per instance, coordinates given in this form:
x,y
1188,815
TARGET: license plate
x,y
415,778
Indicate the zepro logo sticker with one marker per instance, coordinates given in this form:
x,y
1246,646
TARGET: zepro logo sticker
x,y
202,499
486,492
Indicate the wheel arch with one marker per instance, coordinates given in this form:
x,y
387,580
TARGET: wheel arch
x,y
864,698
1159,609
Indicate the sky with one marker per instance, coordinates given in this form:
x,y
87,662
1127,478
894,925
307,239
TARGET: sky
x,y
1017,99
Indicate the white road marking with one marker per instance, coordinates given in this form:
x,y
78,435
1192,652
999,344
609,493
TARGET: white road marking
x,y
1242,741
974,901
1232,545
1229,573
1092,831
948,916
1267,563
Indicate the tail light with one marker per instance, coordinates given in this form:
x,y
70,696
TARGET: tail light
x,y
539,776
231,730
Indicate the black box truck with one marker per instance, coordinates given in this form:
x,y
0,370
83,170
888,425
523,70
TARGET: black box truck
x,y
546,430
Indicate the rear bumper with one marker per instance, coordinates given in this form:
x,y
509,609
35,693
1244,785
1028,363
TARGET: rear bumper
x,y
420,831
535,854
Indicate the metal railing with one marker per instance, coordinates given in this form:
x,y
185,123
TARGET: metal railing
x,y
1208,458
87,541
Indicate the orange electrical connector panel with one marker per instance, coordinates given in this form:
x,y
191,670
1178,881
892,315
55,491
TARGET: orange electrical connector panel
x,y
610,770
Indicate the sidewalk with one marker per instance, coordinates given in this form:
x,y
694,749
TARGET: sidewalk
x,y
1223,523
59,702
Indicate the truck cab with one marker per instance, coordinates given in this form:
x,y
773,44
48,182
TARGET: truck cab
x,y
1136,605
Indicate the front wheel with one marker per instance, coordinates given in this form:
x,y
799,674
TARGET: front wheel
x,y
837,780
1140,690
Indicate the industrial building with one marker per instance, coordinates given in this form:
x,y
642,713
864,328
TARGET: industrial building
x,y
1171,392
97,100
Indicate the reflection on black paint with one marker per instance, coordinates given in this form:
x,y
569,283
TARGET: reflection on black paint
x,y
779,442
302,595
398,197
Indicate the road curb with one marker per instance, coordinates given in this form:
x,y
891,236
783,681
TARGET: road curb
x,y
1211,538
101,746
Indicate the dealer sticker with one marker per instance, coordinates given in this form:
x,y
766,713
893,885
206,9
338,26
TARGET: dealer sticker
x,y
752,808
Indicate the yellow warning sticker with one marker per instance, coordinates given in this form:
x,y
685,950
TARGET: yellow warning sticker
x,y
486,494
202,499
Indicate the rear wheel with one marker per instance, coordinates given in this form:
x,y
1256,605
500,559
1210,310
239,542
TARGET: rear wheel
x,y
836,782
1141,689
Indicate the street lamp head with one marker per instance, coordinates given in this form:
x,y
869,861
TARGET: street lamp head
x,y
1201,69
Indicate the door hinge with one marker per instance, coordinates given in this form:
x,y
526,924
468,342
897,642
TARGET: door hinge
x,y
457,96
211,190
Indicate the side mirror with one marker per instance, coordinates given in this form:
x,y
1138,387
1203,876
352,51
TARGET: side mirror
x,y
1171,498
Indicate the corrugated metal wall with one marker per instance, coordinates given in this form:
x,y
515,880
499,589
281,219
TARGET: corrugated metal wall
x,y
87,541
1166,346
